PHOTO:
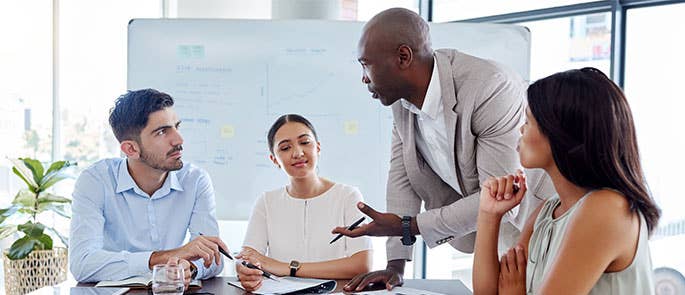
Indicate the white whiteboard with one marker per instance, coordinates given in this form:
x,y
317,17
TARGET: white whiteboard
x,y
232,78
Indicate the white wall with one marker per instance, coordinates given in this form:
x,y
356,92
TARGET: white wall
x,y
256,9
252,9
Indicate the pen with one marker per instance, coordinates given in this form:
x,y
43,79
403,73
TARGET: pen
x,y
264,272
351,227
247,264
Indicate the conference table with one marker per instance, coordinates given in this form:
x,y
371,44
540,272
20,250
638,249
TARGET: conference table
x,y
219,285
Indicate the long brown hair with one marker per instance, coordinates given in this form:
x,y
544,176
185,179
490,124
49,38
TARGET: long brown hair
x,y
590,128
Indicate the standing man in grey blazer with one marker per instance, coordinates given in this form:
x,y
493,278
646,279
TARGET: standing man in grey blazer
x,y
456,123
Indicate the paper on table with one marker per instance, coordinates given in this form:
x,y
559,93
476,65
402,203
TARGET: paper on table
x,y
396,291
288,285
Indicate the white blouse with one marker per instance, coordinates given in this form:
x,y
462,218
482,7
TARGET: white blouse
x,y
287,228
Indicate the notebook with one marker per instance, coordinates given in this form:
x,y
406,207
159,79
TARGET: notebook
x,y
140,282
290,285
62,290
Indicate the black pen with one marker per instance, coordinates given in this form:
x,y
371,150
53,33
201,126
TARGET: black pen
x,y
264,272
246,264
351,227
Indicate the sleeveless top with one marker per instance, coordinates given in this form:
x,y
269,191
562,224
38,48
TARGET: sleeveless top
x,y
546,239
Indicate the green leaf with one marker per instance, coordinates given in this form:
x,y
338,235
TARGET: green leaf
x,y
59,208
45,197
28,180
8,230
4,213
36,168
44,242
50,181
53,175
25,198
64,239
21,248
27,210
31,229
58,166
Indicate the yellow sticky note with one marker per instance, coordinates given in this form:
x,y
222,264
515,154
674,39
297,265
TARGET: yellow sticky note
x,y
351,127
227,131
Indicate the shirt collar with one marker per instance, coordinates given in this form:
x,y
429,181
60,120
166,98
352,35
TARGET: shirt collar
x,y
431,103
125,181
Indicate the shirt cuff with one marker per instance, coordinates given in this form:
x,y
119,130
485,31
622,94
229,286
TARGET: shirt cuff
x,y
138,262
396,250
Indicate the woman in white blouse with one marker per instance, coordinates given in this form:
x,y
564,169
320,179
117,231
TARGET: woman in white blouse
x,y
290,228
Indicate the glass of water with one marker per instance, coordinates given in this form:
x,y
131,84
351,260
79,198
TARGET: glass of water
x,y
167,279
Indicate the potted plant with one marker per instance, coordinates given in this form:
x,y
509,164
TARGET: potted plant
x,y
32,262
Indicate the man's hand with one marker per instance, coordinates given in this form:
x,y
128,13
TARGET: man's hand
x,y
391,277
205,247
383,224
512,272
173,261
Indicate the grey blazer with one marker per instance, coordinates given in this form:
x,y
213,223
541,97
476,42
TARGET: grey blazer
x,y
484,107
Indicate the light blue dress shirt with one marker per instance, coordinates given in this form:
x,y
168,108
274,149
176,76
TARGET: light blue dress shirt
x,y
116,226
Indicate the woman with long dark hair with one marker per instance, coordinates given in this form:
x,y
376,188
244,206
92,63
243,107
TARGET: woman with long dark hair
x,y
590,238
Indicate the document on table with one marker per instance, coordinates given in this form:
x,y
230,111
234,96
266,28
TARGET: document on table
x,y
395,291
289,285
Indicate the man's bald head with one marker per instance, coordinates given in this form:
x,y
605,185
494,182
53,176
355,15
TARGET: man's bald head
x,y
396,56
398,26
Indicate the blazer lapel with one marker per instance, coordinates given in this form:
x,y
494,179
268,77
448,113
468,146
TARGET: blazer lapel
x,y
449,103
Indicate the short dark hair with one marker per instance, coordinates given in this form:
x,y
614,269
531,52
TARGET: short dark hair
x,y
591,133
285,119
131,111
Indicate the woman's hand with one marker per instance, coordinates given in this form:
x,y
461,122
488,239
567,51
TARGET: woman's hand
x,y
266,263
512,272
250,279
500,194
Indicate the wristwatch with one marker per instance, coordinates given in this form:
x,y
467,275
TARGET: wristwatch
x,y
193,271
407,238
294,266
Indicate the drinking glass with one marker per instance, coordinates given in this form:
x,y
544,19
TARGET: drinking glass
x,y
167,279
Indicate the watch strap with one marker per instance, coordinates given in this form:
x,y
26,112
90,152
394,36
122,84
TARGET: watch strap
x,y
193,271
407,238
294,266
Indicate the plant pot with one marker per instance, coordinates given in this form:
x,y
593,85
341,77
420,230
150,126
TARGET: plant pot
x,y
39,269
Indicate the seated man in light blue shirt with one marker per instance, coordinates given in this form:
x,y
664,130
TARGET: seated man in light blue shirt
x,y
132,213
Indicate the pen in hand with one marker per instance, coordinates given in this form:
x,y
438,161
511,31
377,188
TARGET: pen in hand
x,y
247,264
264,272
351,227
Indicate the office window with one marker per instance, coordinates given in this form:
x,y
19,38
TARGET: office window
x,y
653,85
26,75
366,9
571,42
452,10
92,73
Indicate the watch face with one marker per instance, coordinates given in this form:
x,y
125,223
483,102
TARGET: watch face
x,y
294,264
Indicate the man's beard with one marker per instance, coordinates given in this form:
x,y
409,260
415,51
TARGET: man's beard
x,y
158,163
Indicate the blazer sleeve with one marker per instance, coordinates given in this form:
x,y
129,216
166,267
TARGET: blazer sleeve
x,y
495,120
401,198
